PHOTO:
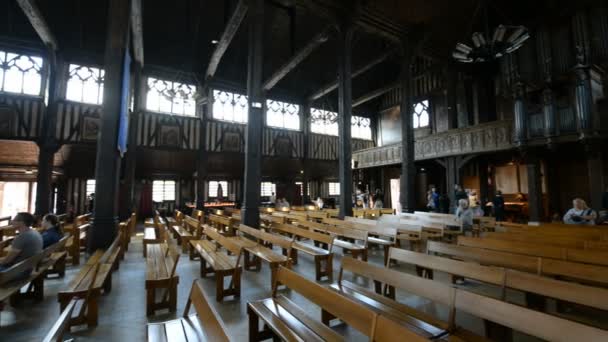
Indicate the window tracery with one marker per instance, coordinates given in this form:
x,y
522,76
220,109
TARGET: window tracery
x,y
21,74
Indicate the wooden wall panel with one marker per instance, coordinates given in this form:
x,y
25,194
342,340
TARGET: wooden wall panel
x,y
20,116
224,137
168,131
283,143
77,122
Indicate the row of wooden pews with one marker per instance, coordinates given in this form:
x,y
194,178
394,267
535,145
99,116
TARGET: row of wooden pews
x,y
79,299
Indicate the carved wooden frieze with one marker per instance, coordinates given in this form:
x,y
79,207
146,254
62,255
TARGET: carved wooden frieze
x,y
493,136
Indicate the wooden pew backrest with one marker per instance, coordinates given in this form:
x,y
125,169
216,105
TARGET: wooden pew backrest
x,y
208,317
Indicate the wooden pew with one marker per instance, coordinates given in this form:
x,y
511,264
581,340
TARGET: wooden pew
x,y
337,228
528,321
12,280
75,244
223,224
588,274
320,255
156,234
176,219
261,249
594,297
161,264
376,231
203,325
217,261
594,257
564,241
62,325
188,229
285,320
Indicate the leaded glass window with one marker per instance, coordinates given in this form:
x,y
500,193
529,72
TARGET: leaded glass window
x,y
85,84
361,127
214,188
282,114
171,97
421,115
21,74
267,189
229,106
334,189
323,121
163,190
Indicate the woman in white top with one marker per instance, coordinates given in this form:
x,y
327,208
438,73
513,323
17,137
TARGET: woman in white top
x,y
580,213
319,203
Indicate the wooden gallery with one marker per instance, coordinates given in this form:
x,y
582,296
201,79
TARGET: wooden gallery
x,y
304,170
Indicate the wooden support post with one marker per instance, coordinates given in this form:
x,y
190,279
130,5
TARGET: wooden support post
x,y
408,168
202,154
139,87
595,171
535,189
452,99
345,34
305,124
107,165
254,130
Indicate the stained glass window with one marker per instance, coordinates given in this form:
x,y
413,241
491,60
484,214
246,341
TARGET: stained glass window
x,y
229,106
421,115
361,128
323,121
282,114
171,97
85,84
21,74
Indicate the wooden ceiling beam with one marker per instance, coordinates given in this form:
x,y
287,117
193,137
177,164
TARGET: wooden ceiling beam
x,y
137,31
374,94
298,57
328,88
229,32
33,14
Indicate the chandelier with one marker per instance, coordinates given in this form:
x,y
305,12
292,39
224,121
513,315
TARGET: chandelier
x,y
486,46
484,49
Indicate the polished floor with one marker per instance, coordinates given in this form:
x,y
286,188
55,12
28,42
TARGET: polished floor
x,y
122,315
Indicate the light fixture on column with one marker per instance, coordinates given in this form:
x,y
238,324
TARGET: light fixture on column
x,y
487,46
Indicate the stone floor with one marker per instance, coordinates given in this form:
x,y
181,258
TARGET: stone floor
x,y
122,315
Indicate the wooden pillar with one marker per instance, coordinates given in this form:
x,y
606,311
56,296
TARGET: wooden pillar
x,y
203,155
452,171
520,115
535,189
254,130
345,35
139,87
595,171
107,165
484,193
48,145
305,124
408,169
451,99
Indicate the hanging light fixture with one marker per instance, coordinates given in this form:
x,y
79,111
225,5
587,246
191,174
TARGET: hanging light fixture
x,y
486,47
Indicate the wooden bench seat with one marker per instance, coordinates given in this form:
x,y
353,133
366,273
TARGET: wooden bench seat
x,y
215,259
188,229
254,254
285,320
584,273
223,224
87,284
323,257
204,325
161,264
62,324
501,313
75,245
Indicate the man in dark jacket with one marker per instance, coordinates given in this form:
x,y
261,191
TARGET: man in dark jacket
x,y
499,206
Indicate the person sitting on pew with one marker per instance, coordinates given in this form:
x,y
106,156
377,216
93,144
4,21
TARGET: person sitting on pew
x,y
27,243
580,213
52,230
465,215
319,203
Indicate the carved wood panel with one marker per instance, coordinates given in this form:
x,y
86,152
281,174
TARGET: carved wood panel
x,y
77,122
20,116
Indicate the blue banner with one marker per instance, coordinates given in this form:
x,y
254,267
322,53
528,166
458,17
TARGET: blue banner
x,y
123,128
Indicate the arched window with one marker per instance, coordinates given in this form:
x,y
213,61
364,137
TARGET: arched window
x,y
170,97
229,106
361,128
85,84
282,114
421,114
21,74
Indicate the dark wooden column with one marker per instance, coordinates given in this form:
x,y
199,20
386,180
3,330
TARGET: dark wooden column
x,y
47,143
305,124
535,189
202,153
108,158
451,98
484,193
345,35
255,123
407,190
139,88
452,178
595,171
520,115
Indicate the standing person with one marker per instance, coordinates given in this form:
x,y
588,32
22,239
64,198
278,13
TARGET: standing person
x,y
499,206
580,213
52,230
464,215
430,204
459,194
91,202
273,198
435,196
378,204
444,204
27,243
